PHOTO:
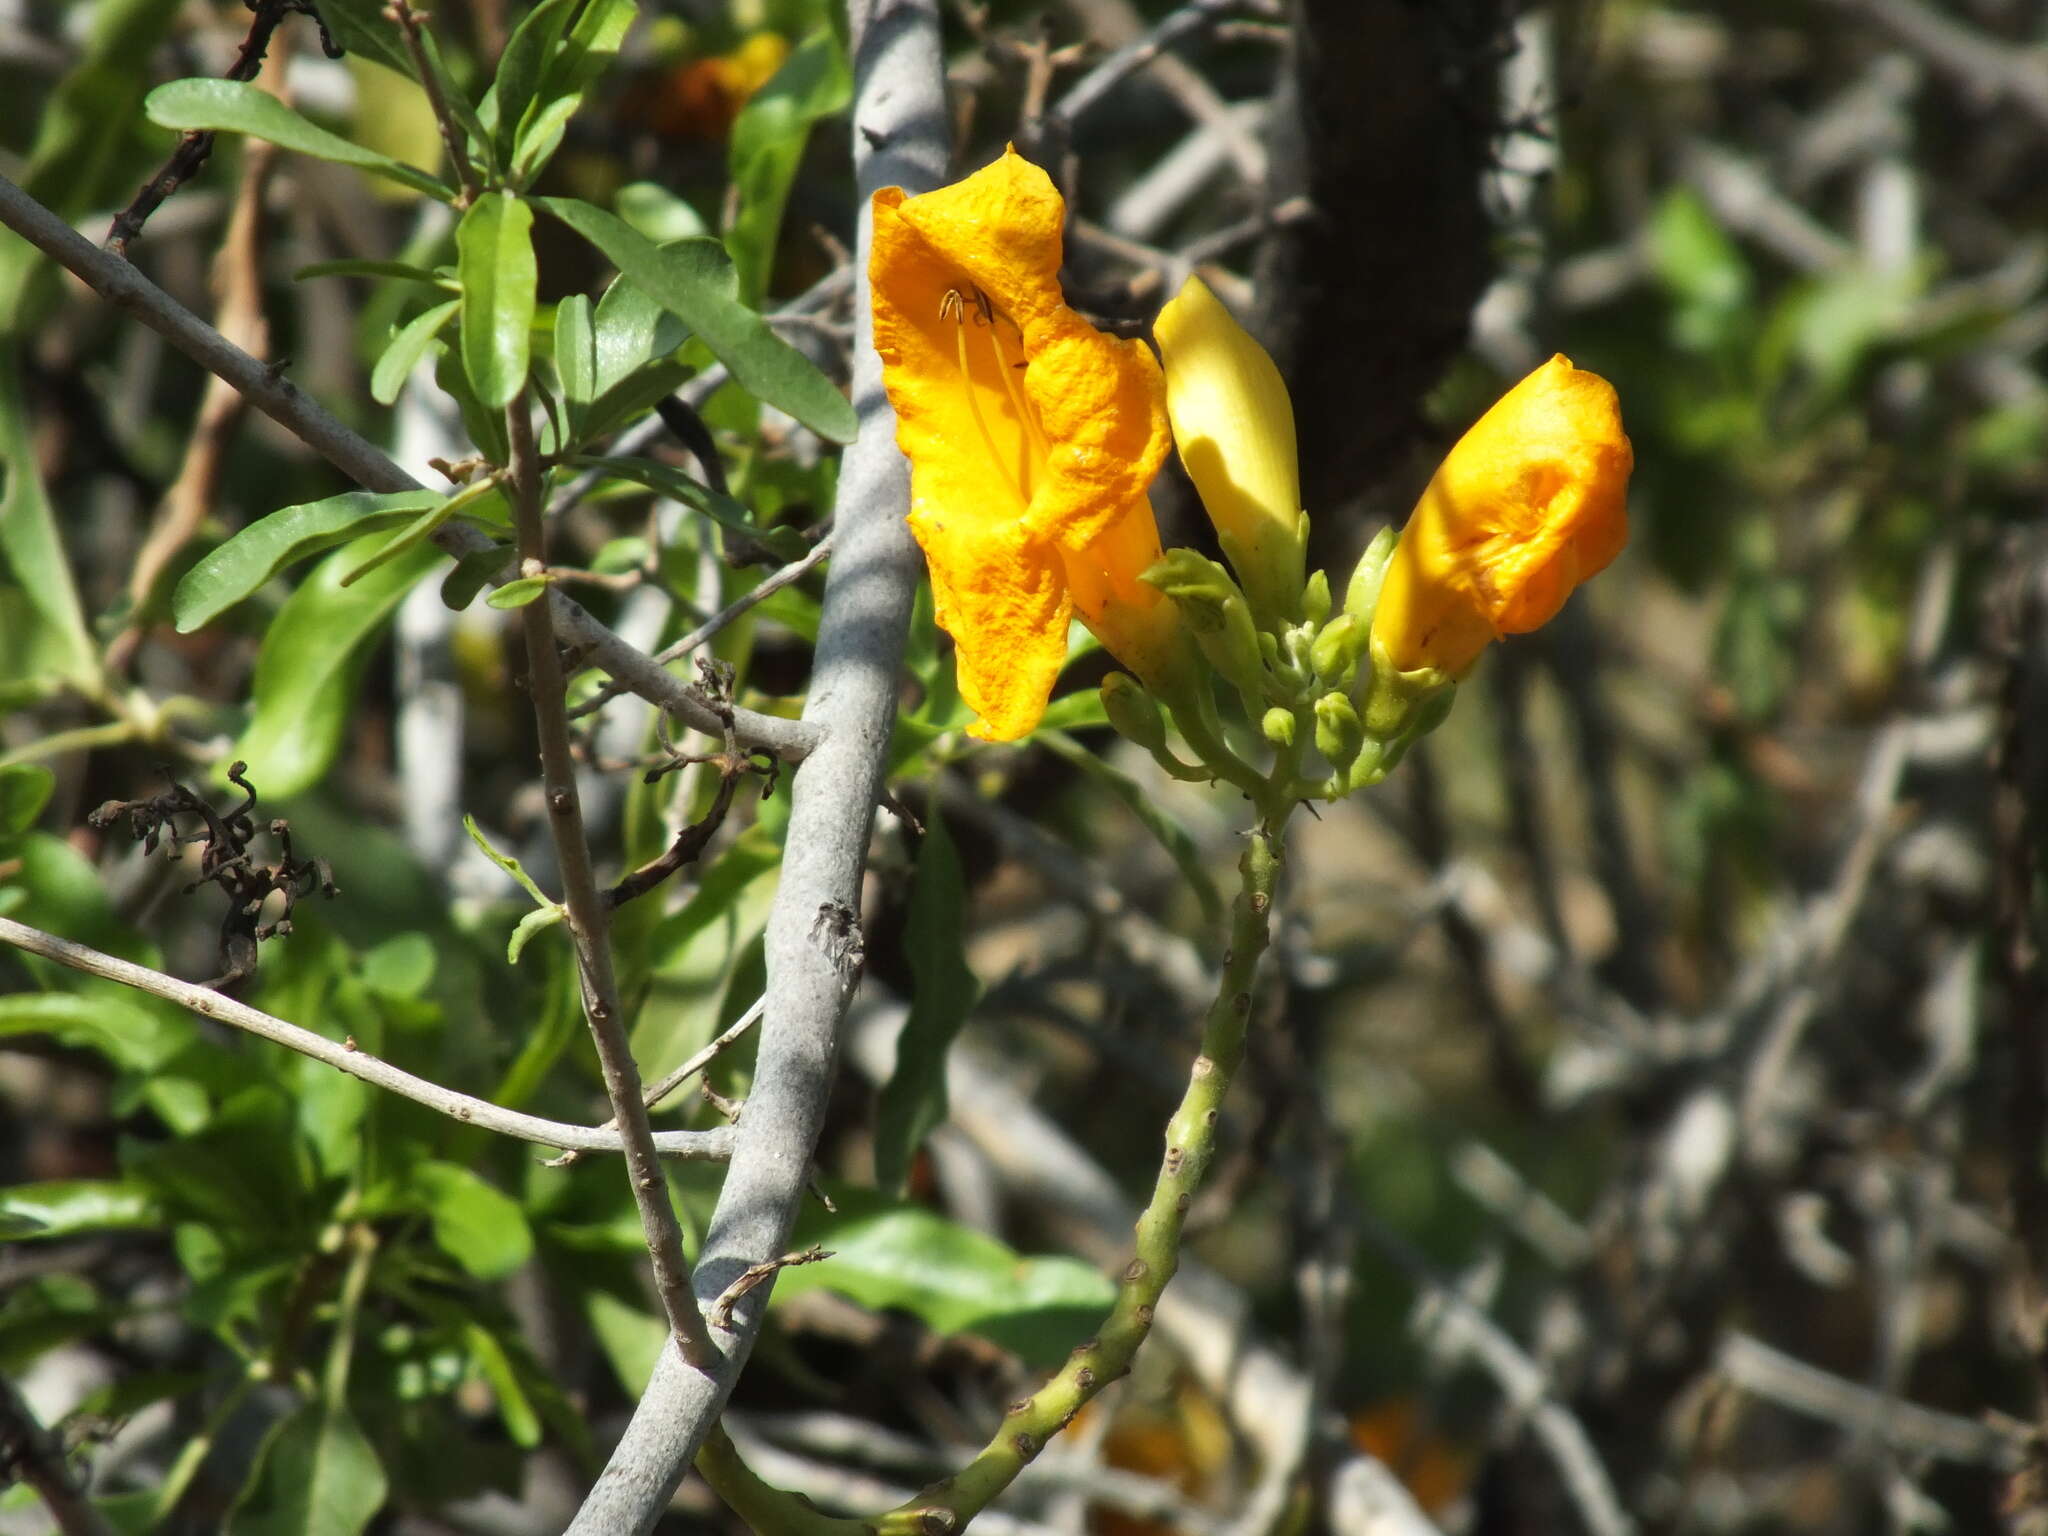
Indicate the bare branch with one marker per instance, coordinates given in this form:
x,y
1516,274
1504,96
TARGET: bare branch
x,y
344,1056
900,137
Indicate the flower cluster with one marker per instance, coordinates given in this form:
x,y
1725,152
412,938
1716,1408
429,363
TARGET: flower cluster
x,y
1032,438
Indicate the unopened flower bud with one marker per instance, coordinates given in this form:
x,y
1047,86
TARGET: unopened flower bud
x,y
1279,726
1362,593
1339,732
1132,712
1336,650
1315,598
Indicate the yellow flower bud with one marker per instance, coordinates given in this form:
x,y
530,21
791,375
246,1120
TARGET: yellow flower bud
x,y
1530,502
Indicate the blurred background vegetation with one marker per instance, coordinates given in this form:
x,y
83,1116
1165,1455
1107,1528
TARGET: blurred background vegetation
x,y
1654,1069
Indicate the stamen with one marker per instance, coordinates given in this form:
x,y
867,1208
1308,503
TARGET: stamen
x,y
1041,449
954,307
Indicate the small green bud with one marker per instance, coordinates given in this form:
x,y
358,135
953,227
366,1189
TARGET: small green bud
x,y
1362,593
1132,712
1336,650
1339,733
1315,598
1392,698
1217,613
1429,714
1279,726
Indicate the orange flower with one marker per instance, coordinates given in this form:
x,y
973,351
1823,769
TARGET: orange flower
x,y
1031,438
1530,502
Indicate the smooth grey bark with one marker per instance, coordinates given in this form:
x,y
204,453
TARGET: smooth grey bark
x,y
901,137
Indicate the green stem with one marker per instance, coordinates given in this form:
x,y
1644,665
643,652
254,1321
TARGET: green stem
x,y
949,1504
1190,1144
192,1456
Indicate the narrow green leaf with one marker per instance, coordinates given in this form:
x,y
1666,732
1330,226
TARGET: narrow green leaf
x,y
245,562
953,1279
230,106
29,545
475,1223
584,54
576,350
768,145
474,500
472,573
312,658
318,1476
69,1207
665,479
517,594
913,1101
406,349
126,1033
695,280
535,923
520,68
494,250
511,866
1172,836
515,1408
25,789
403,271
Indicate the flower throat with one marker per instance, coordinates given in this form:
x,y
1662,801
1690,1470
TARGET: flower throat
x,y
954,306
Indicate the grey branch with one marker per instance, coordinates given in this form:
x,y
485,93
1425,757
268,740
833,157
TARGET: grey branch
x,y
703,1146
277,397
900,137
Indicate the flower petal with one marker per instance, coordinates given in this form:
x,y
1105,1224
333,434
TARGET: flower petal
x,y
1004,601
1234,426
1138,624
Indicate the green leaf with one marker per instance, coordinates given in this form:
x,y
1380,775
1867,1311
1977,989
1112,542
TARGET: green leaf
x,y
73,1206
515,1408
475,1224
473,572
361,26
245,562
504,861
127,1033
913,1101
229,106
576,350
768,146
403,271
695,280
406,349
784,542
25,789
631,329
953,1279
318,1475
494,250
634,395
583,55
312,658
473,500
518,593
538,921
29,545
486,427
1172,836
519,73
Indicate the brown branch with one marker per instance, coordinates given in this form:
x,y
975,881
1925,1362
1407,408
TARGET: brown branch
x,y
194,148
32,1454
410,22
589,916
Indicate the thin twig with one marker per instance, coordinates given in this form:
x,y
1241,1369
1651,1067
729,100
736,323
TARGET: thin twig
x,y
589,916
31,1454
737,608
410,22
277,397
671,1081
345,1056
196,146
